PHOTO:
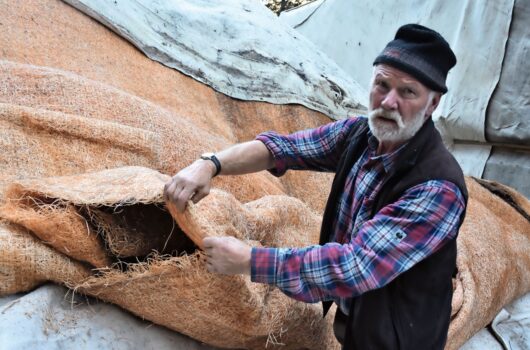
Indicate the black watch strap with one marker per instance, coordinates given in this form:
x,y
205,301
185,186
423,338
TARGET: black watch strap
x,y
215,160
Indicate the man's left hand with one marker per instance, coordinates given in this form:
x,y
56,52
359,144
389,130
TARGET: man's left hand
x,y
227,255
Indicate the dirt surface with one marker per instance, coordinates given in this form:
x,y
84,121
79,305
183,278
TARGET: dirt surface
x,y
278,6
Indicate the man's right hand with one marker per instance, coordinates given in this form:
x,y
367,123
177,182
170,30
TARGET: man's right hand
x,y
191,183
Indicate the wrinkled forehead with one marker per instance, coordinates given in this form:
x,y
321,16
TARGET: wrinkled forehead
x,y
387,72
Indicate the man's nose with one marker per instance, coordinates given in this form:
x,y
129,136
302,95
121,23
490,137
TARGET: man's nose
x,y
390,102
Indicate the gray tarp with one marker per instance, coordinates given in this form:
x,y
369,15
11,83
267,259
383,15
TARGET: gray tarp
x,y
510,166
489,89
508,117
354,33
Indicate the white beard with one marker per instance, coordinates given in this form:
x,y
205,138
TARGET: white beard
x,y
399,132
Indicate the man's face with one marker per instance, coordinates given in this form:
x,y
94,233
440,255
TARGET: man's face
x,y
399,104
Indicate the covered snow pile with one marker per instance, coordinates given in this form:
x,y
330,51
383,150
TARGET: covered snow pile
x,y
90,131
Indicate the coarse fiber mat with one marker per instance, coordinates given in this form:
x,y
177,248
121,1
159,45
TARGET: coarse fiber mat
x,y
75,98
230,311
56,223
171,286
81,215
26,262
493,258
493,251
39,142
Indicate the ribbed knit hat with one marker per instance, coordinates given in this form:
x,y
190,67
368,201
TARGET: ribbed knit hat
x,y
422,53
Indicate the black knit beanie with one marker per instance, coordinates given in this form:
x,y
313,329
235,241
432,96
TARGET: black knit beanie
x,y
422,53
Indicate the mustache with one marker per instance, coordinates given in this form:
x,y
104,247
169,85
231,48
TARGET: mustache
x,y
391,115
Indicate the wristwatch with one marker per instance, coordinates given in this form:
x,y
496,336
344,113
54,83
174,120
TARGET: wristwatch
x,y
215,161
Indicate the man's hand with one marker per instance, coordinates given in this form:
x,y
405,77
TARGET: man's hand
x,y
191,183
227,255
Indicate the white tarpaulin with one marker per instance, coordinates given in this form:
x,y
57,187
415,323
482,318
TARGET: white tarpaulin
x,y
240,48
57,320
354,33
489,133
51,317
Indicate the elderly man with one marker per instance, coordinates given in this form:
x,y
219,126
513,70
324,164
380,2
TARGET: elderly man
x,y
388,238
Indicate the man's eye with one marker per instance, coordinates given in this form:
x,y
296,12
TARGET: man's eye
x,y
381,84
410,92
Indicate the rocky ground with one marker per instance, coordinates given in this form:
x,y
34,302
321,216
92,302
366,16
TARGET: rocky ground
x,y
278,6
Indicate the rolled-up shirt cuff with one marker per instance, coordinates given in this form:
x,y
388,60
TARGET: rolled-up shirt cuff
x,y
280,165
263,264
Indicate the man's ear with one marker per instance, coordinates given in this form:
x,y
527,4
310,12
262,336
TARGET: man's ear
x,y
433,104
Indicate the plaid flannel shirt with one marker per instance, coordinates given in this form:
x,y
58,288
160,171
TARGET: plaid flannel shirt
x,y
367,253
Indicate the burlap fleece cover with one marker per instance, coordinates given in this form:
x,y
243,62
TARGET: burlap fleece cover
x,y
175,291
77,99
227,311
